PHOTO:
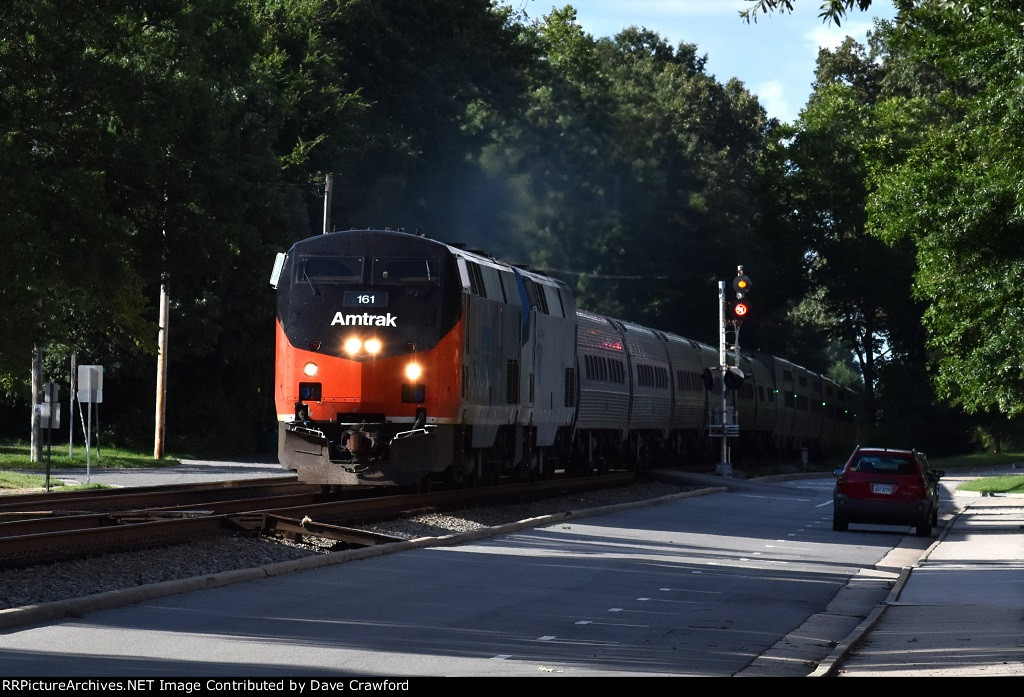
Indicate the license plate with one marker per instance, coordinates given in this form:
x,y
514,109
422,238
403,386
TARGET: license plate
x,y
881,488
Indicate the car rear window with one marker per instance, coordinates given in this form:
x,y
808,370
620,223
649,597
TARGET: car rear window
x,y
885,465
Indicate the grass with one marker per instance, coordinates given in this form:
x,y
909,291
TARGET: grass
x,y
17,471
997,484
1009,484
1001,484
976,460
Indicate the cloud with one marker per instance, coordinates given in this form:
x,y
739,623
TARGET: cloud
x,y
830,36
772,96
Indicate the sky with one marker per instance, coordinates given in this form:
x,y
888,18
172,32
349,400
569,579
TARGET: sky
x,y
774,57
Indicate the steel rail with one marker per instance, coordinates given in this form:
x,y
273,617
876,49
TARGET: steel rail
x,y
29,542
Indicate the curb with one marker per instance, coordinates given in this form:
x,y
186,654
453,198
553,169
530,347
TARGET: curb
x,y
830,667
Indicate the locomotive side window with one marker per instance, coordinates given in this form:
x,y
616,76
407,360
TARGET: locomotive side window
x,y
492,284
553,303
508,288
405,271
565,300
329,270
536,294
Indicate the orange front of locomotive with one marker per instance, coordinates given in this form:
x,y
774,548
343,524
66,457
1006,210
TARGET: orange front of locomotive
x,y
369,355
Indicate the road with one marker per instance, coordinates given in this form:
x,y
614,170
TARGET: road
x,y
711,585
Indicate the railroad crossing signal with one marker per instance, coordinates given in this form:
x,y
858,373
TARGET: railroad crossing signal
x,y
741,284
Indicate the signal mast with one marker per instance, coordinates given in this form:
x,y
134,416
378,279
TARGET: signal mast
x,y
724,423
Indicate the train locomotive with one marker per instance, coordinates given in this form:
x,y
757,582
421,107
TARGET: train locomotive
x,y
404,361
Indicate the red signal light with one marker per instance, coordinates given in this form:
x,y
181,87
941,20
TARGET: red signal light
x,y
740,309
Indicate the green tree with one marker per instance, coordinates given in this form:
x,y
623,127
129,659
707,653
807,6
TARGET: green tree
x,y
435,77
640,171
955,192
861,285
831,10
68,262
145,140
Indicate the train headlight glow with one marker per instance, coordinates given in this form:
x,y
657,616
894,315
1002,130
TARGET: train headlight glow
x,y
310,369
353,345
372,346
413,371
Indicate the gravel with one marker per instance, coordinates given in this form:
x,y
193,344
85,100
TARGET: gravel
x,y
74,579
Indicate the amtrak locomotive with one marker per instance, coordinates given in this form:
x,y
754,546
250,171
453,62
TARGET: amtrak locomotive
x,y
403,361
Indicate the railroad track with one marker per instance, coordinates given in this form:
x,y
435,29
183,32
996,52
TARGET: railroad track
x,y
44,528
15,505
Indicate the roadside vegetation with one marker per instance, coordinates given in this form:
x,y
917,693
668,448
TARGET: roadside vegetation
x,y
1001,484
17,471
620,163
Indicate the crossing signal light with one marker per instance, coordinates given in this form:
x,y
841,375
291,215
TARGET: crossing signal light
x,y
733,378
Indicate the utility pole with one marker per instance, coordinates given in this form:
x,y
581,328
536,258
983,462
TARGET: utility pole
x,y
161,370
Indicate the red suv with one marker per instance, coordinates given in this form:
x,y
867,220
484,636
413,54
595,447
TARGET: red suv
x,y
886,487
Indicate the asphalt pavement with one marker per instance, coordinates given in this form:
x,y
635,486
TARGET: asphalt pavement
x,y
957,608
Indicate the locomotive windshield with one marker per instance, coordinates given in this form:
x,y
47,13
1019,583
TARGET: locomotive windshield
x,y
330,270
405,271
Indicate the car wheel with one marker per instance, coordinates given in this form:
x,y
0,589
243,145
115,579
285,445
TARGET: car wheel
x,y
839,523
925,529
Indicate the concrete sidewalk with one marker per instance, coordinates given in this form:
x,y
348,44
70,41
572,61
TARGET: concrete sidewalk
x,y
959,611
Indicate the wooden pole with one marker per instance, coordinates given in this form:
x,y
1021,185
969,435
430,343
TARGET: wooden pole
x,y
161,372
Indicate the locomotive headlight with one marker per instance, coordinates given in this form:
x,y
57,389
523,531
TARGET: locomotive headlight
x,y
413,371
372,346
310,370
353,345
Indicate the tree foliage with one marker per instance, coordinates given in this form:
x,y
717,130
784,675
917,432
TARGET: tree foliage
x,y
954,190
186,142
831,10
634,173
142,142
